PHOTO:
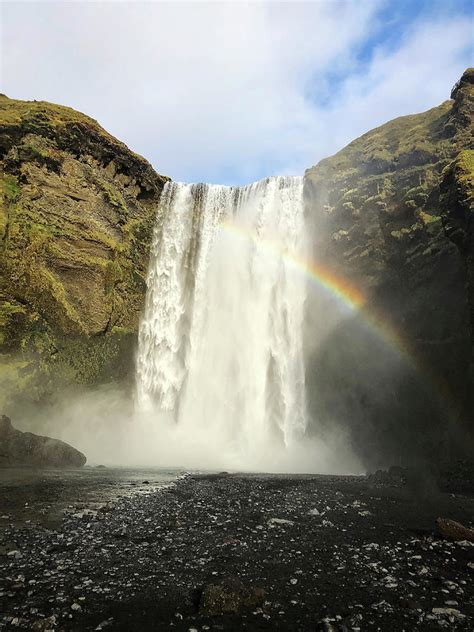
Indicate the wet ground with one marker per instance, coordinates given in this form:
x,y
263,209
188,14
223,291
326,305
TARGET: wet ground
x,y
34,496
230,552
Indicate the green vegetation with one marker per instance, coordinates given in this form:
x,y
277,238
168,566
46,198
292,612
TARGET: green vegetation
x,y
380,193
75,237
465,173
10,188
40,117
114,197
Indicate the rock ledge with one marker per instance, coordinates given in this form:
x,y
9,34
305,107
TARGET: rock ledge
x,y
26,448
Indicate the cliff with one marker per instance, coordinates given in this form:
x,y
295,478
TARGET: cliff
x,y
77,210
392,212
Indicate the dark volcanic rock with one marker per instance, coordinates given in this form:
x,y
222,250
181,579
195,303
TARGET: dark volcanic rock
x,y
394,477
452,530
26,448
392,216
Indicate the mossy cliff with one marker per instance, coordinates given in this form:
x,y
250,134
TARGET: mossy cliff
x,y
392,212
77,209
457,201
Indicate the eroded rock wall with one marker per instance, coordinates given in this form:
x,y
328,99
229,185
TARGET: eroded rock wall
x,y
76,217
379,216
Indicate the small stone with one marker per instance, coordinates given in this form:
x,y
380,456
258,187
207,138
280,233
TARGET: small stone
x,y
229,596
279,521
44,625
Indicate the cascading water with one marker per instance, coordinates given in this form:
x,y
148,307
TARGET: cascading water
x,y
221,339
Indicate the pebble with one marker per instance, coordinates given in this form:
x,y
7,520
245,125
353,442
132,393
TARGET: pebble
x,y
267,532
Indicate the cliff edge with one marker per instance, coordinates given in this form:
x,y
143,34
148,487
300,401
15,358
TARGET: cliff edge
x,y
77,210
392,213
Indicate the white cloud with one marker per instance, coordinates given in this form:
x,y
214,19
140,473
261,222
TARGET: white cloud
x,y
219,91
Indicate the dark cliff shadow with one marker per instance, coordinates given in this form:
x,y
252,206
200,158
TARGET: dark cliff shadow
x,y
394,410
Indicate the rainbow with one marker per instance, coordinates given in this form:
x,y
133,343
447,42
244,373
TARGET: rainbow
x,y
346,294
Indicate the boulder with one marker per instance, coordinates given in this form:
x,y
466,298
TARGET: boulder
x,y
229,596
452,530
26,448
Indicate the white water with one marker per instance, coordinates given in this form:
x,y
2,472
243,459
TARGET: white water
x,y
220,342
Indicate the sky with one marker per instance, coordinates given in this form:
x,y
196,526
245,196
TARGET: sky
x,y
230,92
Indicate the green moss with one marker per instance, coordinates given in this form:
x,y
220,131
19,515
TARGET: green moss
x,y
406,232
53,298
64,227
40,116
32,152
114,197
113,274
15,378
10,188
105,238
7,311
415,197
122,331
427,219
341,234
465,172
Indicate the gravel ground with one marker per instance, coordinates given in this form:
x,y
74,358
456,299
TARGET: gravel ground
x,y
237,552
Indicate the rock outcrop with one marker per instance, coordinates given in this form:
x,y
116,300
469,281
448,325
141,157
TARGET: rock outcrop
x,y
26,449
455,531
457,203
392,213
77,211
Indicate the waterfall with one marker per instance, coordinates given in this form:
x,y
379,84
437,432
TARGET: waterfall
x,y
220,342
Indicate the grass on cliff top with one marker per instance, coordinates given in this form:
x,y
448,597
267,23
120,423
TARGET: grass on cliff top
x,y
37,116
14,111
403,135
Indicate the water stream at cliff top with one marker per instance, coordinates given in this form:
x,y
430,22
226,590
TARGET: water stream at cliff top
x,y
221,339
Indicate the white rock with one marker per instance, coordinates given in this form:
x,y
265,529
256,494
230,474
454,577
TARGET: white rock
x,y
279,521
448,612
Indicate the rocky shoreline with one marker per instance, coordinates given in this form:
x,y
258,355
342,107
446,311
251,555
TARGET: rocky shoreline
x,y
242,552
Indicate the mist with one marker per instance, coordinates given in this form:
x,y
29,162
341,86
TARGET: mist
x,y
243,361
220,362
103,424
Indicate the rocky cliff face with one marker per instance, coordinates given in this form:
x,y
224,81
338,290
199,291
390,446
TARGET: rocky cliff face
x,y
392,212
77,210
